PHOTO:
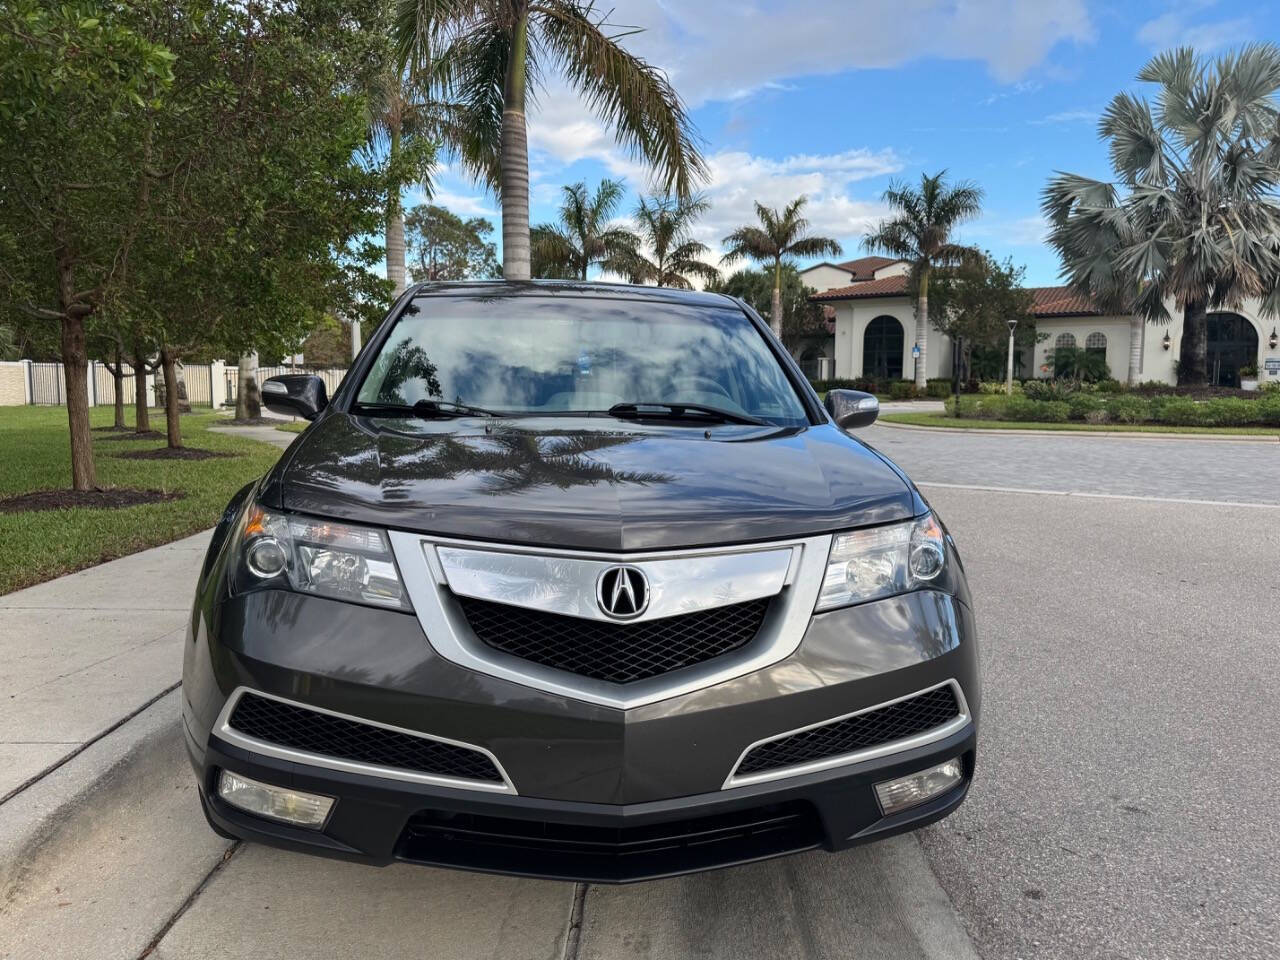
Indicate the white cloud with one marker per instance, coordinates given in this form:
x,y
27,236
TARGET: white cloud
x,y
1176,29
725,49
1065,117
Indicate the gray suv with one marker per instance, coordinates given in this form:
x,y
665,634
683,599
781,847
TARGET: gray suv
x,y
578,581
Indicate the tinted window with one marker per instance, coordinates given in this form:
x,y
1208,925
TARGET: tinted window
x,y
545,355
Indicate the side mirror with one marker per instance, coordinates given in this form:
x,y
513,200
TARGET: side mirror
x,y
295,395
851,409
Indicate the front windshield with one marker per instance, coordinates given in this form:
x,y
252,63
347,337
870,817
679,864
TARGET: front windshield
x,y
550,355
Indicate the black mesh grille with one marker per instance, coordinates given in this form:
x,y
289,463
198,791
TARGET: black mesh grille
x,y
902,719
582,851
617,652
314,732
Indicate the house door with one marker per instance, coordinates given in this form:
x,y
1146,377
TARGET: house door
x,y
1233,343
882,349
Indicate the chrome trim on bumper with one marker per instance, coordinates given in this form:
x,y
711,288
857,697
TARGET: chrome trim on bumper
x,y
870,753
230,734
427,582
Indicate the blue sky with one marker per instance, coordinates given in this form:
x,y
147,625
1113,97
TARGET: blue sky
x,y
835,99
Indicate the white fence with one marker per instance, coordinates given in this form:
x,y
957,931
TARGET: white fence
x,y
208,384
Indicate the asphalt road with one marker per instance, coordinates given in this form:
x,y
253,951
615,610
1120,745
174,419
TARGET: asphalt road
x,y
1124,805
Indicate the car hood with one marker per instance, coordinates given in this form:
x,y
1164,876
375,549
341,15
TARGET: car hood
x,y
588,484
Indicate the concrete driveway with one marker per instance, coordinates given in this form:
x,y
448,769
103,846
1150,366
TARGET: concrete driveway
x,y
1123,806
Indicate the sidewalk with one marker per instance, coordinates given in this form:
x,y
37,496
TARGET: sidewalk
x,y
81,654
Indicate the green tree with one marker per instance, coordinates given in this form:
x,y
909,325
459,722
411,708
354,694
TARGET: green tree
x,y
674,258
920,232
780,237
486,58
447,247
973,302
584,236
800,317
1193,215
79,85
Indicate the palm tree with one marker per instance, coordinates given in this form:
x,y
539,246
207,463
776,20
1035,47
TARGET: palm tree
x,y
402,140
780,236
491,52
583,238
920,232
664,226
1194,217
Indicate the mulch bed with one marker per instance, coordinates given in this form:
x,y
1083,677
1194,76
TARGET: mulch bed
x,y
173,453
112,429
131,435
112,498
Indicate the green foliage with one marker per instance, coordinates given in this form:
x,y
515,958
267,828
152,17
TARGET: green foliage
x,y
1129,409
1048,389
447,247
1082,404
584,237
974,300
668,256
1078,364
800,317
902,390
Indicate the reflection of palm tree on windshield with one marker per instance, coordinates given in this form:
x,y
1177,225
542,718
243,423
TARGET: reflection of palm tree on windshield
x,y
515,462
397,367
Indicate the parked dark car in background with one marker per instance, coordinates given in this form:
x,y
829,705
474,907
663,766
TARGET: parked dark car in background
x,y
578,581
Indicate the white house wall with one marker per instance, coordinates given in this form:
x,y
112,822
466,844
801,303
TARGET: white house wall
x,y
1115,329
824,277
852,318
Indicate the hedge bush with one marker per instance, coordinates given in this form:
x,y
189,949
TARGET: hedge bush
x,y
1126,408
1081,405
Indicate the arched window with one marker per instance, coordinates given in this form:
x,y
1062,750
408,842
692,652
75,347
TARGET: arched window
x,y
1065,341
1095,344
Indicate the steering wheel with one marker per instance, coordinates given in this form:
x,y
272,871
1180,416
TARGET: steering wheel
x,y
705,384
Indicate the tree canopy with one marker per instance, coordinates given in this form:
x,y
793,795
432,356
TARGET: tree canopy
x,y
444,246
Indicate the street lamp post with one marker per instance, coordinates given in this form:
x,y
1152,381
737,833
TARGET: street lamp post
x,y
1008,387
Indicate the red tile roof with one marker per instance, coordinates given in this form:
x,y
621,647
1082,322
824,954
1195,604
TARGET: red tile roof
x,y
864,268
1061,302
884,287
1045,301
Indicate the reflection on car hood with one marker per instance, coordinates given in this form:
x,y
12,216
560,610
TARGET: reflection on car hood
x,y
589,484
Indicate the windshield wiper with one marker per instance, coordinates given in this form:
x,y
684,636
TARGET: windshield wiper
x,y
679,411
423,409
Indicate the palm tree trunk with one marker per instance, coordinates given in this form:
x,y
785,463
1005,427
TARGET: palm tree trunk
x,y
515,158
922,332
1194,361
395,222
775,308
1136,331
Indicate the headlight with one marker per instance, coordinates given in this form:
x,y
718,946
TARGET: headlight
x,y
870,564
338,560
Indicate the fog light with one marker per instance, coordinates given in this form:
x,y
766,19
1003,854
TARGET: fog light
x,y
275,803
913,790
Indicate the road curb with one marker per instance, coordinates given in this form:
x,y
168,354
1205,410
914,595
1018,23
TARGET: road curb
x,y
34,819
1092,434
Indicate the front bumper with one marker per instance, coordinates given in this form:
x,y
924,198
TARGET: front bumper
x,y
599,794
379,822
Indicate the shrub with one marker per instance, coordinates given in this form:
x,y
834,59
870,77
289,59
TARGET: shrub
x,y
937,388
1267,408
902,390
998,386
1048,411
1110,385
1230,411
1083,404
1126,408
1269,386
1180,411
1047,390
1097,416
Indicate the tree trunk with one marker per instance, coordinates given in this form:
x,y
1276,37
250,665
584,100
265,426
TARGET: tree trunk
x,y
1193,363
75,368
1136,331
395,222
141,415
117,380
355,339
775,306
922,333
247,407
515,158
173,428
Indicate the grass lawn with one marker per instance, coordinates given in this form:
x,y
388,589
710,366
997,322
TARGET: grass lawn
x,y
294,426
969,423
41,545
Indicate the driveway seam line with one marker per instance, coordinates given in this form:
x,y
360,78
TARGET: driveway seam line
x,y
191,899
573,934
30,781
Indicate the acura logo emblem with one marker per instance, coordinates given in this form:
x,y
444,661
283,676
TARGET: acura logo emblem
x,y
623,592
